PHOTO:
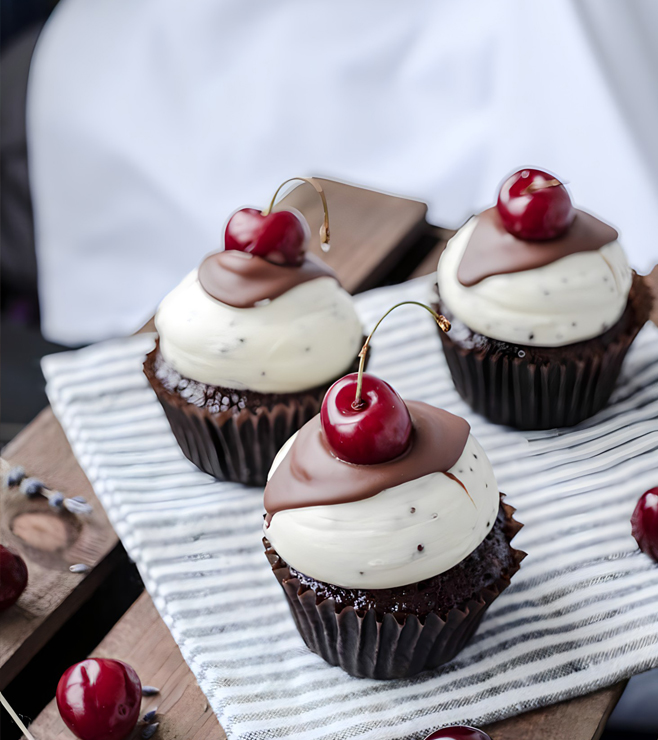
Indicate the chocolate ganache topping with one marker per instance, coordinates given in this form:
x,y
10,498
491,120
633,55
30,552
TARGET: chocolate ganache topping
x,y
492,250
310,475
242,280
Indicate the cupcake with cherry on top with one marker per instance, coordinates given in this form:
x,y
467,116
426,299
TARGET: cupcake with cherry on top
x,y
544,307
386,530
249,343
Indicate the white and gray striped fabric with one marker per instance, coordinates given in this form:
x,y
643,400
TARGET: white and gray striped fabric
x,y
581,614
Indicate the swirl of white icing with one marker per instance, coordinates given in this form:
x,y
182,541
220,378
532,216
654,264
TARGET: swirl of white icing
x,y
572,299
306,337
402,535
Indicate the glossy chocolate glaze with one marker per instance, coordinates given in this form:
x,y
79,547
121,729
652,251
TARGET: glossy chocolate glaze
x,y
242,280
492,250
310,475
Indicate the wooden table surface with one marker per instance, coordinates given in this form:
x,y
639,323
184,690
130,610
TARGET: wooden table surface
x,y
373,236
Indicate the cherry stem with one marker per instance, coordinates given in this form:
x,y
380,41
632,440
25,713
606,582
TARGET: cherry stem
x,y
441,321
324,229
534,186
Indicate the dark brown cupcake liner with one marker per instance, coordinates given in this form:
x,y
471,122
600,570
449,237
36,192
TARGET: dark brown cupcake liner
x,y
238,443
366,644
530,387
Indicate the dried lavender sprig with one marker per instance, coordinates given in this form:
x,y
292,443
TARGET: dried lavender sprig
x,y
34,487
149,691
149,716
149,730
31,486
15,476
79,568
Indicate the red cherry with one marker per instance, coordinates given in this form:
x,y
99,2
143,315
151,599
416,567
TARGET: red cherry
x,y
377,431
644,523
280,237
458,732
13,577
535,205
99,699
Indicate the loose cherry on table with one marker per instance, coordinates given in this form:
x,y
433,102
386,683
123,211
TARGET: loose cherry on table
x,y
644,523
280,237
364,420
534,205
13,577
99,699
458,732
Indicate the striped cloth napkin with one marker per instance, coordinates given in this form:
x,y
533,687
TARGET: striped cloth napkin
x,y
581,614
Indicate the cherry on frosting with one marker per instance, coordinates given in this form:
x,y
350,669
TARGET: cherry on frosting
x,y
458,732
364,420
13,577
644,523
376,430
280,237
99,699
534,205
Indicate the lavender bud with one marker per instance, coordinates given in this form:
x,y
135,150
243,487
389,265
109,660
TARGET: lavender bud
x,y
56,499
75,507
15,476
31,487
79,568
149,730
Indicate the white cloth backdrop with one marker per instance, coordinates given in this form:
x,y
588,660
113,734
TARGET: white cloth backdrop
x,y
149,121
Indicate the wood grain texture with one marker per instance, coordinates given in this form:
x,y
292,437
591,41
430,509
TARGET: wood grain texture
x,y
142,639
370,231
583,718
49,542
430,262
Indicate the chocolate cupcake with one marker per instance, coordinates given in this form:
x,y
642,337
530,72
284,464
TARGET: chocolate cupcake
x,y
386,531
543,306
249,343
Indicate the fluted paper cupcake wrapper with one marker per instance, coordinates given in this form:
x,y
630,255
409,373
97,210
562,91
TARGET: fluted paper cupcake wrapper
x,y
503,383
393,645
236,444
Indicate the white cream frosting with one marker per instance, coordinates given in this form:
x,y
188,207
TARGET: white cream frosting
x,y
574,298
374,543
308,336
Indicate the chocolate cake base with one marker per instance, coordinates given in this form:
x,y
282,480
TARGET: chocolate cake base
x,y
531,387
398,632
231,434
